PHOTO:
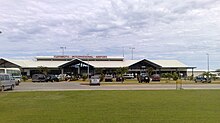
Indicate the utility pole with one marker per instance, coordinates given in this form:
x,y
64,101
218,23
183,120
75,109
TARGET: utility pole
x,y
63,48
132,48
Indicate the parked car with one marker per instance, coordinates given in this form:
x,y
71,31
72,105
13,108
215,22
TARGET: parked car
x,y
39,78
6,82
108,78
155,77
128,76
52,78
143,78
119,79
202,79
95,80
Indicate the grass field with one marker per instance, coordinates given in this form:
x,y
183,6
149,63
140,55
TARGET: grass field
x,y
185,106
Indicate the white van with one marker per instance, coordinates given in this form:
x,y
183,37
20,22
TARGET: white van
x,y
6,82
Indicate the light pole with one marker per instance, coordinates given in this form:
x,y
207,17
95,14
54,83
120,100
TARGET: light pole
x,y
123,52
88,65
63,48
207,61
132,48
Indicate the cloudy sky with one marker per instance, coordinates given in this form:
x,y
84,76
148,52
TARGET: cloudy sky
x,y
157,29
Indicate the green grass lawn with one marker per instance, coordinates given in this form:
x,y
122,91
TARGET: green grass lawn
x,y
185,106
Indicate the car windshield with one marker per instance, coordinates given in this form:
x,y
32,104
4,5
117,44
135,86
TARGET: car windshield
x,y
95,77
17,77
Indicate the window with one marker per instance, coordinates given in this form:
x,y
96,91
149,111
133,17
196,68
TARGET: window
x,y
2,71
14,72
1,77
6,77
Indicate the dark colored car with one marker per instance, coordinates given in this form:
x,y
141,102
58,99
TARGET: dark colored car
x,y
52,78
108,78
202,79
39,78
143,78
155,77
120,79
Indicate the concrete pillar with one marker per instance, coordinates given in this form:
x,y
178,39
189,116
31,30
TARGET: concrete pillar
x,y
160,71
79,69
62,72
192,72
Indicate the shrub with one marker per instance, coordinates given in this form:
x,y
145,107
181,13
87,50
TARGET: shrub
x,y
84,77
74,78
24,78
175,76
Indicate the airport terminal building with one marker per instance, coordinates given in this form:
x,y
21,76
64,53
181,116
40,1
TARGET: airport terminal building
x,y
93,64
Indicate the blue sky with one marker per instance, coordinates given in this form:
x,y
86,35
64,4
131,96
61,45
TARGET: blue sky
x,y
157,29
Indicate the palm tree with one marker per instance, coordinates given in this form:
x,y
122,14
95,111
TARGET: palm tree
x,y
150,71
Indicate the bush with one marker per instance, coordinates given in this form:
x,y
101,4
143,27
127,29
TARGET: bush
x,y
191,78
24,78
84,77
175,76
74,78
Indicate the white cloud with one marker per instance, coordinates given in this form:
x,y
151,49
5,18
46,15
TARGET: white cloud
x,y
158,29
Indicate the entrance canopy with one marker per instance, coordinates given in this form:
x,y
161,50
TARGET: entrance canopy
x,y
144,64
74,62
112,64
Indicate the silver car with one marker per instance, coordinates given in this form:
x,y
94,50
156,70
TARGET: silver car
x,y
94,80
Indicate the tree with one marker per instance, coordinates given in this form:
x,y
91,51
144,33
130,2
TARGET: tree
x,y
150,71
122,70
100,71
207,74
167,75
43,70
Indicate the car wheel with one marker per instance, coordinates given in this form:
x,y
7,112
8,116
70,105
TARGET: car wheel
x,y
12,87
18,83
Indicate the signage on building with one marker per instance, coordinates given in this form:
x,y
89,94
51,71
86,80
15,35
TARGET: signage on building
x,y
81,57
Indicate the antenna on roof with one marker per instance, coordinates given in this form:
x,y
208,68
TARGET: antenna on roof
x,y
63,48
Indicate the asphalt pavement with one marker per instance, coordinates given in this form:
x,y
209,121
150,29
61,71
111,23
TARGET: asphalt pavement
x,y
65,86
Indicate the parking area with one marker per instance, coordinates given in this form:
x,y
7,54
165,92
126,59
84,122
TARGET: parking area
x,y
67,86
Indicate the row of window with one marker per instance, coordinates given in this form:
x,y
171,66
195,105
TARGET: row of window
x,y
11,72
4,77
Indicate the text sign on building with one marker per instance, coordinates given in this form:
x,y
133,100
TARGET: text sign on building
x,y
81,57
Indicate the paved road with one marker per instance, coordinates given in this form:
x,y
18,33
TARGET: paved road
x,y
64,86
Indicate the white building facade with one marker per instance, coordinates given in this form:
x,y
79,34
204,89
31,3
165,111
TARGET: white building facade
x,y
81,65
